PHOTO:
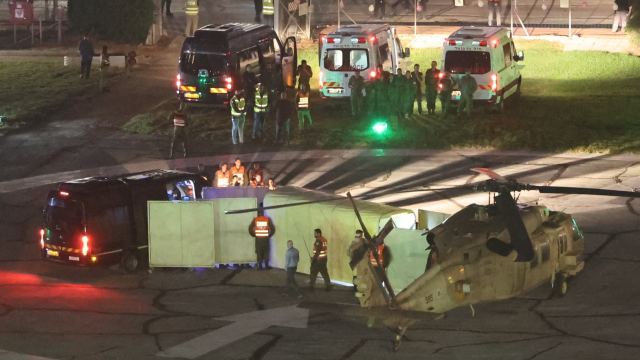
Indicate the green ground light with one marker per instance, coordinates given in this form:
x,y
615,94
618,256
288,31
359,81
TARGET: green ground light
x,y
380,127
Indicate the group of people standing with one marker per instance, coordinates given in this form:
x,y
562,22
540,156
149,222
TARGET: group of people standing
x,y
389,95
269,99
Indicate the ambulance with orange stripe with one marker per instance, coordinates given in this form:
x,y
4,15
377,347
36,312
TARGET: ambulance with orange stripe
x,y
491,55
356,47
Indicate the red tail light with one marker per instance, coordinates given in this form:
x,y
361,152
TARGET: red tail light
x,y
64,193
440,86
495,43
228,80
372,74
372,39
42,238
178,81
85,245
483,43
441,75
494,82
452,42
362,40
320,81
322,38
330,40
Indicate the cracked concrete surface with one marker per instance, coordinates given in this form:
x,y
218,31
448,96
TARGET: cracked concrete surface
x,y
64,312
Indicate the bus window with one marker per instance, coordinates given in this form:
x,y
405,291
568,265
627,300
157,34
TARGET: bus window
x,y
110,225
346,59
267,52
192,63
251,58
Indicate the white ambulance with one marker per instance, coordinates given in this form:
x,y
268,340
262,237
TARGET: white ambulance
x,y
491,55
356,47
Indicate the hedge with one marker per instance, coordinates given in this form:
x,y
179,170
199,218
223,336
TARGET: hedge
x,y
125,21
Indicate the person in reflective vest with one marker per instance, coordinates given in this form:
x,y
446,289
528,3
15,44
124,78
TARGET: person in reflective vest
x,y
257,181
180,121
262,229
191,9
222,177
303,106
260,109
319,261
238,170
237,117
384,257
268,11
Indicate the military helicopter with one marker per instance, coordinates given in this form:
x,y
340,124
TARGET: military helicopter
x,y
484,253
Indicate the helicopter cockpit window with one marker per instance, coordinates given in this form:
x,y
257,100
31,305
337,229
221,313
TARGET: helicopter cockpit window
x,y
545,249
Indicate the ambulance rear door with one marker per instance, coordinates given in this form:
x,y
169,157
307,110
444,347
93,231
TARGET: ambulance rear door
x,y
340,59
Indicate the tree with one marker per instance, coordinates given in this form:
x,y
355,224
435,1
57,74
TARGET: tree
x,y
125,21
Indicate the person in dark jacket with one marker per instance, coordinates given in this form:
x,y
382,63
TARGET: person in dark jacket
x,y
85,48
284,111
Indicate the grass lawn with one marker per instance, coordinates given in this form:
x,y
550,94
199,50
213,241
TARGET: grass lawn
x,y
572,101
31,91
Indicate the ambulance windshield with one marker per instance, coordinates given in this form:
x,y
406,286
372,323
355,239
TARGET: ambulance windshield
x,y
456,62
346,59
192,63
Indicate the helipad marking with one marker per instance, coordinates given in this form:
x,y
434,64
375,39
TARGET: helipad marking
x,y
244,325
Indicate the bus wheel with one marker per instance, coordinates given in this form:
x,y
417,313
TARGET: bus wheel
x,y
130,262
560,285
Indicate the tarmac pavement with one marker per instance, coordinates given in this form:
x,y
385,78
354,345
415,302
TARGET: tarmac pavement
x,y
64,312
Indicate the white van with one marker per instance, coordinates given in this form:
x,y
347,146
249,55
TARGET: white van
x,y
491,55
356,47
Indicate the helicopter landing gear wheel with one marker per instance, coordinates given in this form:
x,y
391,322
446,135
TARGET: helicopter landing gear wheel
x,y
560,285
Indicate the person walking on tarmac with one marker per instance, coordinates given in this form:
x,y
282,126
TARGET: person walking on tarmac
x,y
417,77
319,261
267,11
431,78
291,259
168,4
356,84
238,170
378,9
494,8
302,98
223,176
260,108
284,111
446,88
262,229
191,9
180,120
258,7
468,85
238,109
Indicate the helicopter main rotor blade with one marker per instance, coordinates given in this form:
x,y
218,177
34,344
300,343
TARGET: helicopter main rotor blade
x,y
355,209
520,240
582,191
490,173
